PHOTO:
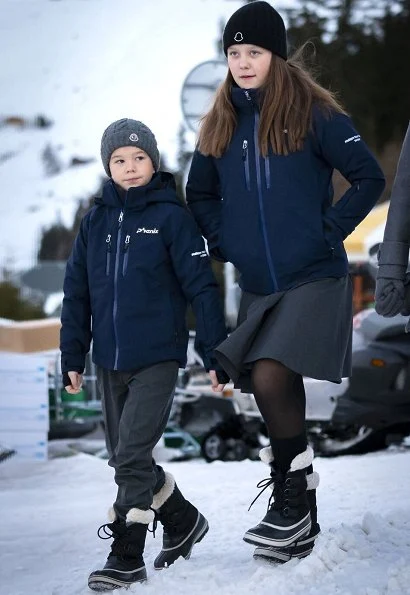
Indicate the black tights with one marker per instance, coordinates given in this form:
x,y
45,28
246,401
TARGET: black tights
x,y
280,395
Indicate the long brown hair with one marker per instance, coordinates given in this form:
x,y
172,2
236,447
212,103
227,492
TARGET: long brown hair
x,y
285,102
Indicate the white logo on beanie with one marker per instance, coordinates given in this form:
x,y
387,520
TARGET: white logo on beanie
x,y
238,36
134,137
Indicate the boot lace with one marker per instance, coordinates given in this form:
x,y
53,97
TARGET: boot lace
x,y
106,531
276,499
123,545
263,484
154,522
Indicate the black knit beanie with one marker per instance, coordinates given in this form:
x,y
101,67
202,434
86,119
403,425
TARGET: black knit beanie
x,y
257,23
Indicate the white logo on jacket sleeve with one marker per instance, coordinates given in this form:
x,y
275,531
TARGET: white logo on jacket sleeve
x,y
354,138
145,230
201,254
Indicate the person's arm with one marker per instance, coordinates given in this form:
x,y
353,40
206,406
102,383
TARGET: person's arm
x,y
75,334
204,200
343,149
393,253
193,270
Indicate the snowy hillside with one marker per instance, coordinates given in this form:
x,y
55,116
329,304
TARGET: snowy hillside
x,y
82,64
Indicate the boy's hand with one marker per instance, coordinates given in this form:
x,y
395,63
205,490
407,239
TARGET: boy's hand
x,y
76,380
216,386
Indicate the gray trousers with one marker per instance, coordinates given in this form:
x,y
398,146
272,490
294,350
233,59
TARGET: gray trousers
x,y
136,407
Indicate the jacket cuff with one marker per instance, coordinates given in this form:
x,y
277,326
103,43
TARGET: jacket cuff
x,y
391,271
393,253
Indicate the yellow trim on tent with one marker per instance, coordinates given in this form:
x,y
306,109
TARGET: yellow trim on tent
x,y
356,245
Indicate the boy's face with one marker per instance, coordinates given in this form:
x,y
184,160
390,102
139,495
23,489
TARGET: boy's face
x,y
131,166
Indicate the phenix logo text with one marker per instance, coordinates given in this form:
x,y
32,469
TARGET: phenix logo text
x,y
144,230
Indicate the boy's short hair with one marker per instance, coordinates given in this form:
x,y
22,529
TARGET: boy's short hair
x,y
128,133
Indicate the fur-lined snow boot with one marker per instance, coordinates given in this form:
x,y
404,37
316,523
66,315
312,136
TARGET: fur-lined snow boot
x,y
183,524
125,564
288,518
302,547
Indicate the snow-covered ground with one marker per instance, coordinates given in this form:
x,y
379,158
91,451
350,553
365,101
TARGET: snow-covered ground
x,y
51,511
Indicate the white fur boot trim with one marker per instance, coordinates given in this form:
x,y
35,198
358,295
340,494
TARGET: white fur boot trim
x,y
302,460
312,480
266,455
112,515
162,496
136,515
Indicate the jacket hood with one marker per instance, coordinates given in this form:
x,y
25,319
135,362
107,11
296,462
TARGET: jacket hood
x,y
161,188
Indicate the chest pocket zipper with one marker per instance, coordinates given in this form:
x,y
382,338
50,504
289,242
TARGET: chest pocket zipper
x,y
108,255
245,159
125,259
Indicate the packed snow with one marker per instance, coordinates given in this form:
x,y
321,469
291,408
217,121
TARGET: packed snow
x,y
51,512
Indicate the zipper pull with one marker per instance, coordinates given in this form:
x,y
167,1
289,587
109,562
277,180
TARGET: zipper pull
x,y
244,149
121,217
248,97
108,242
127,242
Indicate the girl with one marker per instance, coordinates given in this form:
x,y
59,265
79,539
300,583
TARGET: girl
x,y
260,189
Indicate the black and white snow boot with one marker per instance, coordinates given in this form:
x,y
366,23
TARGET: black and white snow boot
x,y
288,517
302,547
183,525
125,564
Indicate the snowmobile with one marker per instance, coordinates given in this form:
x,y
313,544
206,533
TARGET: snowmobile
x,y
374,409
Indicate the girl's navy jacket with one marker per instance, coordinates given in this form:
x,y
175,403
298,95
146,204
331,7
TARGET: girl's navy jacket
x,y
273,217
134,267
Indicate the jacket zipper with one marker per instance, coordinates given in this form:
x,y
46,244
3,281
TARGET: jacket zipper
x,y
108,255
245,160
261,205
115,305
267,172
125,260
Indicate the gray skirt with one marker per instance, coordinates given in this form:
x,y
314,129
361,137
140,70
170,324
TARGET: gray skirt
x,y
308,329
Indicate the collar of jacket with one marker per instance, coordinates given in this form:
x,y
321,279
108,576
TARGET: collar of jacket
x,y
245,99
161,188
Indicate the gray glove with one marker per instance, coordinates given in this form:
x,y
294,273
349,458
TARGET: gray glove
x,y
406,307
389,297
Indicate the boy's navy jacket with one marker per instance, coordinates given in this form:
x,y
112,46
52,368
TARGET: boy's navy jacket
x,y
273,217
134,266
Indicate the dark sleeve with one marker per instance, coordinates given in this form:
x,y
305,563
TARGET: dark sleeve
x,y
394,251
193,270
75,334
343,149
204,200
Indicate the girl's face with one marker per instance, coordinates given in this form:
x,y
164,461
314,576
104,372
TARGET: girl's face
x,y
249,64
130,166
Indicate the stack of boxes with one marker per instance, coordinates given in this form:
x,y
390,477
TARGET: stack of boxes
x,y
24,386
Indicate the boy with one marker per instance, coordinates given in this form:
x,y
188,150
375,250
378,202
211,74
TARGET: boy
x,y
136,262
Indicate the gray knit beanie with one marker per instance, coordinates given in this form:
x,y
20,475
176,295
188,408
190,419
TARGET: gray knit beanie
x,y
128,133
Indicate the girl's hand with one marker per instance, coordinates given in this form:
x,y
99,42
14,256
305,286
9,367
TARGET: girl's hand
x,y
76,382
216,386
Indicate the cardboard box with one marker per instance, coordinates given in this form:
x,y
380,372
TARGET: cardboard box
x,y
30,336
28,445
21,420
